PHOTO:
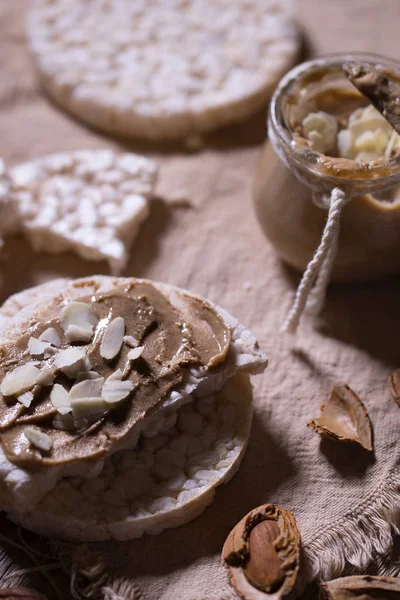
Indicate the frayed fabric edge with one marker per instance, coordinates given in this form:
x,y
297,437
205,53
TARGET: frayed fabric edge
x,y
362,544
364,539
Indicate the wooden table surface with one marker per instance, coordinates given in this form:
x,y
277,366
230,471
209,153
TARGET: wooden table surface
x,y
216,246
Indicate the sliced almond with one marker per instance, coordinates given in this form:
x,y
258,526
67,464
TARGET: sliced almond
x,y
46,376
88,388
113,338
38,438
71,361
63,422
50,335
344,418
135,353
21,379
131,341
60,399
115,389
39,348
26,399
78,321
83,375
88,410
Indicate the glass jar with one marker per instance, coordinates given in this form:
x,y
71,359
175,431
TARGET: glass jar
x,y
291,178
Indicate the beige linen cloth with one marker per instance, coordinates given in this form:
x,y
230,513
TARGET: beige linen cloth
x,y
346,501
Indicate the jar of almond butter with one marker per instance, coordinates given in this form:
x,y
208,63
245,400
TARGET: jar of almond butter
x,y
324,135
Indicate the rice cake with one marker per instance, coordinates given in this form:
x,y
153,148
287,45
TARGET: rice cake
x,y
92,202
163,475
169,69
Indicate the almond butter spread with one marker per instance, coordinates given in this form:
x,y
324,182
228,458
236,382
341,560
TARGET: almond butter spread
x,y
111,360
328,115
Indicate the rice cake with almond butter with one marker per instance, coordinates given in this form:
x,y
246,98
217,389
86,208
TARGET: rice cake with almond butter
x,y
124,403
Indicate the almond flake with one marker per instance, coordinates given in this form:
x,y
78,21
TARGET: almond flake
x,y
135,353
83,375
38,438
60,399
72,361
115,390
88,410
21,379
50,335
25,399
63,422
78,322
40,348
113,338
46,376
131,341
89,388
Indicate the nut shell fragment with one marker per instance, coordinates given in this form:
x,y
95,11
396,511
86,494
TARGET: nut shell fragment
x,y
344,418
363,587
262,554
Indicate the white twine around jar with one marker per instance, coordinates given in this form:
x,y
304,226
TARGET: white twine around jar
x,y
311,292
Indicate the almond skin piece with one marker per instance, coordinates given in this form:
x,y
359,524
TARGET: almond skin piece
x,y
262,554
362,587
20,593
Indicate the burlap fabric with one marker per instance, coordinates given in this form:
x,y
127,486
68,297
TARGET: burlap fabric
x,y
346,501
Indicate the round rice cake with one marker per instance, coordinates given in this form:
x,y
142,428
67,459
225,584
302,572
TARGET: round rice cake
x,y
168,481
171,475
168,69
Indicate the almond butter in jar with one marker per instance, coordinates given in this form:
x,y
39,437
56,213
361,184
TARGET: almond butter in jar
x,y
325,135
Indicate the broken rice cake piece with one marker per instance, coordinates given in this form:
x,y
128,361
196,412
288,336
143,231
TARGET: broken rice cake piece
x,y
91,202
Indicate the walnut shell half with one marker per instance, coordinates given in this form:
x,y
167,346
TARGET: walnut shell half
x,y
262,554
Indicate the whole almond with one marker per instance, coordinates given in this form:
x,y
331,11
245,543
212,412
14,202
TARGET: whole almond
x,y
264,567
262,554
